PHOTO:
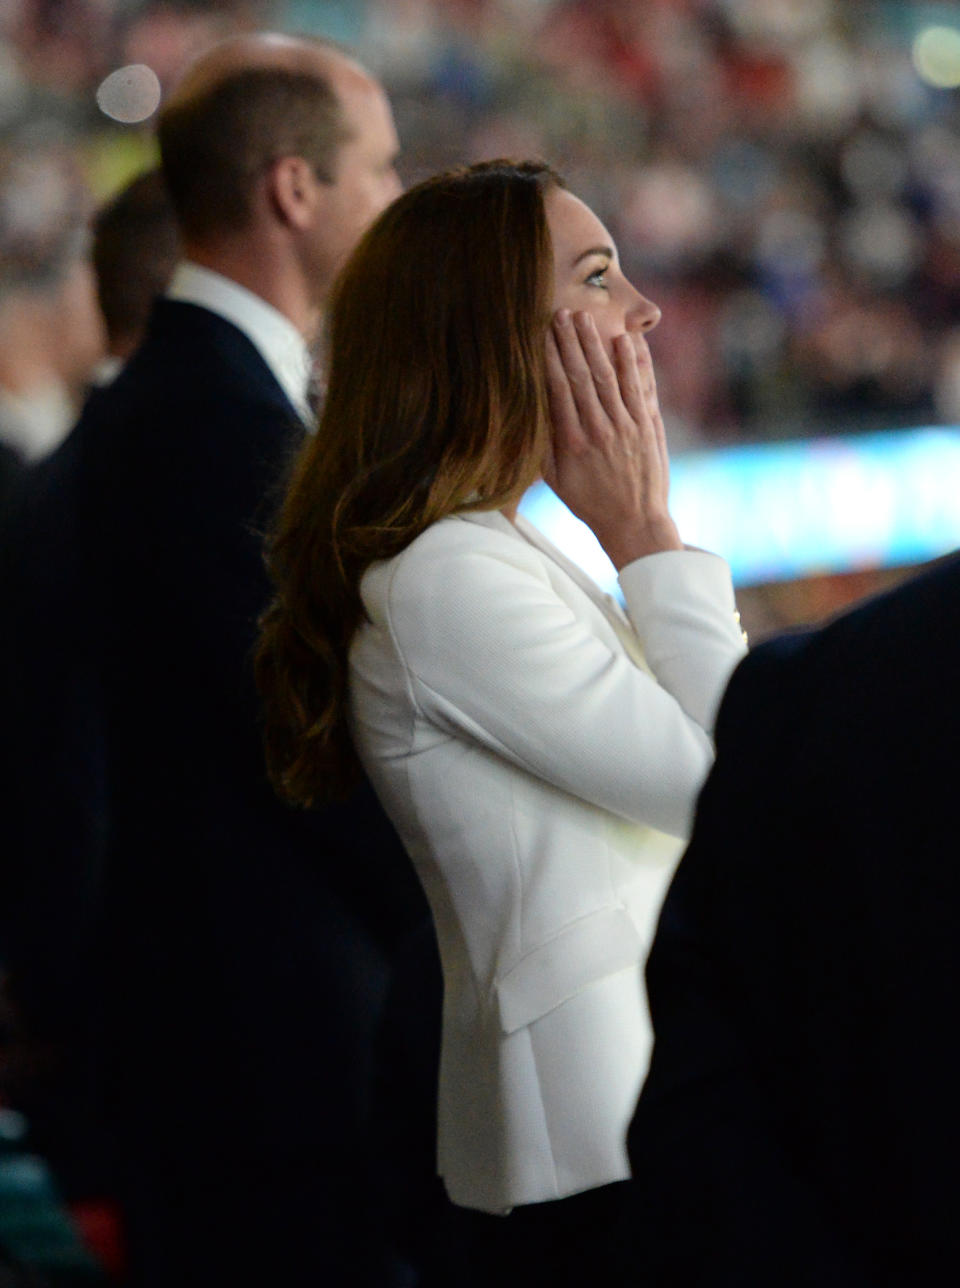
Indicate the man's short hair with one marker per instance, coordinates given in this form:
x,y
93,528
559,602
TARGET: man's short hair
x,y
215,144
135,248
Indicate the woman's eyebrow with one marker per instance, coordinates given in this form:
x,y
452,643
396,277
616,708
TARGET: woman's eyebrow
x,y
594,250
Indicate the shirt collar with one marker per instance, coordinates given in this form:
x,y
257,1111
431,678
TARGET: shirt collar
x,y
36,422
106,371
278,341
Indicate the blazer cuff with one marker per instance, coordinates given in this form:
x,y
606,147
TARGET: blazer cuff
x,y
658,579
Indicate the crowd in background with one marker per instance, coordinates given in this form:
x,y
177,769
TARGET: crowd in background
x,y
777,175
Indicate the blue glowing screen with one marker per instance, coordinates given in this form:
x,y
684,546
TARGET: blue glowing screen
x,y
783,510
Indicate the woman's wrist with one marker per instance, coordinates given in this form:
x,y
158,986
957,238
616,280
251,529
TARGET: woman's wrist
x,y
623,547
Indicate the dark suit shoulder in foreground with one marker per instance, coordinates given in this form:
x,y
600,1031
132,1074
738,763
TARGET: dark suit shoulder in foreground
x,y
799,1124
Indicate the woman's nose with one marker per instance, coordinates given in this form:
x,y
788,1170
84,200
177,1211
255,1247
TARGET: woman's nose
x,y
643,314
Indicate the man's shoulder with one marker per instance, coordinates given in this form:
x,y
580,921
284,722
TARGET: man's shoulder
x,y
899,615
897,638
766,683
192,354
903,632
930,598
195,377
187,348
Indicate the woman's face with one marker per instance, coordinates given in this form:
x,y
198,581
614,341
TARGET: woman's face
x,y
587,276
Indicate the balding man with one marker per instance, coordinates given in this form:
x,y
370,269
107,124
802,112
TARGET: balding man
x,y
278,154
246,947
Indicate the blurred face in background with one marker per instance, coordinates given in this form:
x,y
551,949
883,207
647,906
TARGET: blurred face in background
x,y
77,324
587,275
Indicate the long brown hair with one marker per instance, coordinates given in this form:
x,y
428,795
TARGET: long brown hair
x,y
436,402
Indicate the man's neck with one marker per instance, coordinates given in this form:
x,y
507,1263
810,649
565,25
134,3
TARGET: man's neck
x,y
278,282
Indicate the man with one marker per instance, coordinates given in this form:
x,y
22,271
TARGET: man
x,y
246,947
800,1125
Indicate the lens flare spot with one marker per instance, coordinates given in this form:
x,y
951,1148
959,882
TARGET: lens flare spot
x,y
130,94
936,56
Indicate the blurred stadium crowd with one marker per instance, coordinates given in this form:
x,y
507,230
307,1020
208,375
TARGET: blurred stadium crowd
x,y
777,173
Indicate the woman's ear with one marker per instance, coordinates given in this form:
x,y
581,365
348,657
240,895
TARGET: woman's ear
x,y
292,189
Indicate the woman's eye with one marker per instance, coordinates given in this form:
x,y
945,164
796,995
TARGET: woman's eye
x,y
598,277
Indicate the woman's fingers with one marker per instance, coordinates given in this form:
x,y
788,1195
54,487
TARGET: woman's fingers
x,y
564,416
601,372
640,434
606,462
598,402
569,335
629,378
648,384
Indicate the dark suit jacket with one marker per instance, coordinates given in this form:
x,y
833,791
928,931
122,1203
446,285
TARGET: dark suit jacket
x,y
54,823
800,1121
10,469
246,946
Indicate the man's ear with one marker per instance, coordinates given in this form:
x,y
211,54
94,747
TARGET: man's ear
x,y
293,191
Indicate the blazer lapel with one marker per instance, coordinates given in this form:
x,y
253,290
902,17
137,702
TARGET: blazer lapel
x,y
524,530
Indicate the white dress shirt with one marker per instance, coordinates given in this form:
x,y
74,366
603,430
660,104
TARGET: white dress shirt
x,y
106,371
36,422
278,341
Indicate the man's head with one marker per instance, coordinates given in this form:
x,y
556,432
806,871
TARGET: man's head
x,y
282,141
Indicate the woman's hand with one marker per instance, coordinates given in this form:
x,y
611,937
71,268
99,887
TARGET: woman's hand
x,y
608,460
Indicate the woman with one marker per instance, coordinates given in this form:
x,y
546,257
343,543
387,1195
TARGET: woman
x,y
538,749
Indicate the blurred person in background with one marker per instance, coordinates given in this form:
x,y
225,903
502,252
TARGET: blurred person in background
x,y
51,337
539,749
51,333
242,950
799,1125
53,1066
135,248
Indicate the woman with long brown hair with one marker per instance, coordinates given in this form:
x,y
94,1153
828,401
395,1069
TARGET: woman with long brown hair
x,y
538,749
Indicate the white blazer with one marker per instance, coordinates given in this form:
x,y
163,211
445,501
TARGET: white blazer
x,y
540,754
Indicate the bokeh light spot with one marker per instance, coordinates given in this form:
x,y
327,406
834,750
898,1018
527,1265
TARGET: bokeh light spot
x,y
936,56
130,94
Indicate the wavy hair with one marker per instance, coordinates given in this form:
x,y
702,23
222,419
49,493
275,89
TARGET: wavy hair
x,y
436,402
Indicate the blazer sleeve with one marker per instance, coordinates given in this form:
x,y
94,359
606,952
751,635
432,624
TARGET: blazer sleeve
x,y
492,653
